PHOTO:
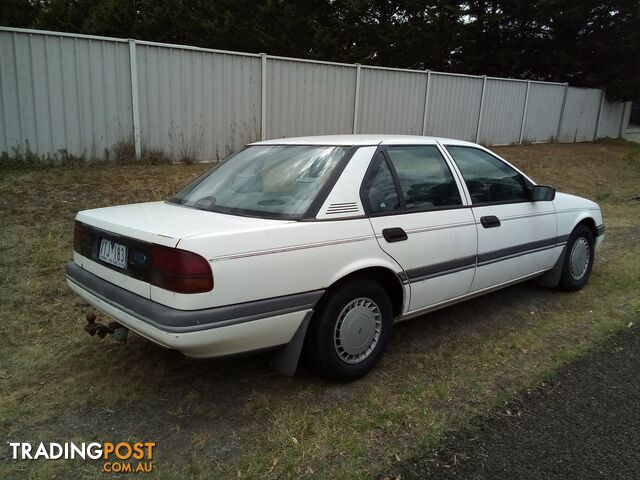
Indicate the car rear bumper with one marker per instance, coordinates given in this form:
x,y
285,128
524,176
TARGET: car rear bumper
x,y
204,333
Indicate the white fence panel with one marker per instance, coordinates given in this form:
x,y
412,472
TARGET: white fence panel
x,y
391,101
63,93
502,112
610,119
453,106
71,92
309,98
580,115
544,108
197,104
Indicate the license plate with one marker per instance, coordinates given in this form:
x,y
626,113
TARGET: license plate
x,y
113,253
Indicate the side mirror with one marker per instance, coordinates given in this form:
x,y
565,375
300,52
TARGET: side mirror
x,y
543,193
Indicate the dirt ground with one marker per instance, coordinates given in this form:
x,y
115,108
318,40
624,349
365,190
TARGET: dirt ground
x,y
582,423
239,417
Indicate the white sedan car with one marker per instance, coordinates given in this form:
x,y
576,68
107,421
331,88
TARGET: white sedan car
x,y
315,246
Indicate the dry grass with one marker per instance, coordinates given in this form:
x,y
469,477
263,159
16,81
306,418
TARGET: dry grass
x,y
238,417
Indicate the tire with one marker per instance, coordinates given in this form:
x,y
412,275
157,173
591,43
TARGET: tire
x,y
349,330
578,260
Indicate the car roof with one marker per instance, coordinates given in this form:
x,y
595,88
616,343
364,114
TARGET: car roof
x,y
361,140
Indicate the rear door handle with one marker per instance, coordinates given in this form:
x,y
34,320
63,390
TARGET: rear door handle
x,y
395,234
490,221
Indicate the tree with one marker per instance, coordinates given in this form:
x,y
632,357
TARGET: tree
x,y
18,13
585,42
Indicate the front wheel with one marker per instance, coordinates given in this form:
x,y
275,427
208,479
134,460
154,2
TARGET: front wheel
x,y
349,330
578,259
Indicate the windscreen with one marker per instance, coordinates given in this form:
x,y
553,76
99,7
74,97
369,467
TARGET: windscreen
x,y
269,181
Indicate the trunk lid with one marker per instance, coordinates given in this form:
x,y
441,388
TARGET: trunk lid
x,y
165,223
130,229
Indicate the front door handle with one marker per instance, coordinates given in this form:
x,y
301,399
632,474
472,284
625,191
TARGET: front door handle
x,y
395,234
490,221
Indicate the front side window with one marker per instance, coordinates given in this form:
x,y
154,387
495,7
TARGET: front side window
x,y
424,177
269,181
488,179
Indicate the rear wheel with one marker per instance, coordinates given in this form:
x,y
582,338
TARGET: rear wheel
x,y
349,330
578,259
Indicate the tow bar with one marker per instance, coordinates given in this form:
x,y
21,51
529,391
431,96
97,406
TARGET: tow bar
x,y
92,327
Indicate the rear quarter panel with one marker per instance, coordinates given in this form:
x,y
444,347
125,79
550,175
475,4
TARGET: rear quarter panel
x,y
291,258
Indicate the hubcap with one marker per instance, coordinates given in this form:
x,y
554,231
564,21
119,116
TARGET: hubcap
x,y
357,330
579,258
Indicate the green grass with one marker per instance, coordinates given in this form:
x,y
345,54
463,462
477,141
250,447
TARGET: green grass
x,y
237,417
22,158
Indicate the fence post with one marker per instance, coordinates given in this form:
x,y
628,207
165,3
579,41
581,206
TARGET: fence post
x,y
426,103
595,135
263,97
524,112
624,114
135,101
484,84
564,102
356,103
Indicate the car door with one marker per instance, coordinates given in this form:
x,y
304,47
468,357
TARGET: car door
x,y
416,208
516,236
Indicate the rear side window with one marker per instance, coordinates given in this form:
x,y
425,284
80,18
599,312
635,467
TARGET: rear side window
x,y
488,179
424,177
381,194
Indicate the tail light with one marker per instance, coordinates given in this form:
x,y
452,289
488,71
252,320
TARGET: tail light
x,y
78,232
180,271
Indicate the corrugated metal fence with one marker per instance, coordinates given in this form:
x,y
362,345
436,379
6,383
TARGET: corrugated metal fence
x,y
84,94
